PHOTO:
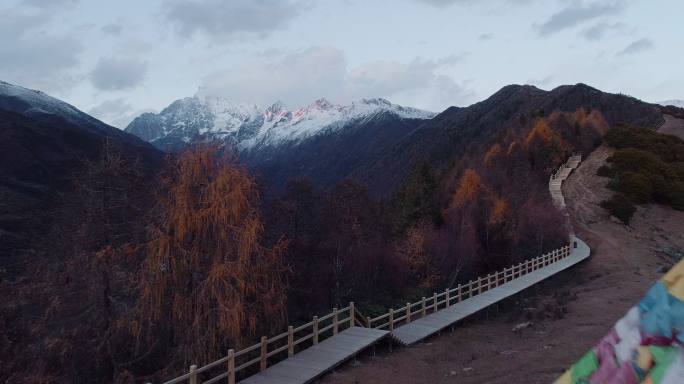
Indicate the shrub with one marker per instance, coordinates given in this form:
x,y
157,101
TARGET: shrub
x,y
605,171
676,195
660,188
637,186
678,169
620,206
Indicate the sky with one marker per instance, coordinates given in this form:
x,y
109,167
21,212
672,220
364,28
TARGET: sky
x,y
117,59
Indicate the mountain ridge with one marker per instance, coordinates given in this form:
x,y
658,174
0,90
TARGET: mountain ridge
x,y
249,126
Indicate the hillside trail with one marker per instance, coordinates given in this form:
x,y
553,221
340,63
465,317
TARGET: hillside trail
x,y
567,314
672,126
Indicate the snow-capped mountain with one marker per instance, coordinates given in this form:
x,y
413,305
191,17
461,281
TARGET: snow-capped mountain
x,y
37,104
675,102
40,106
249,126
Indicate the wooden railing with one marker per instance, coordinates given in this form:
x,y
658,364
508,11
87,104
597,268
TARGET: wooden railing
x,y
284,345
448,297
274,347
577,156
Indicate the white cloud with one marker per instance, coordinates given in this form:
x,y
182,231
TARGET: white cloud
x,y
598,31
29,56
112,73
116,112
444,3
300,77
221,19
637,46
578,12
112,29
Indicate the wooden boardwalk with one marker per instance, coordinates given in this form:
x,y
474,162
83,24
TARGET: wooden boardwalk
x,y
557,179
307,365
418,330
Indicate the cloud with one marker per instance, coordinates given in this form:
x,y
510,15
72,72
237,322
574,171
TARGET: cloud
x,y
111,110
51,4
218,18
112,29
541,82
485,37
444,3
112,73
577,13
447,3
300,77
33,58
598,31
116,112
637,46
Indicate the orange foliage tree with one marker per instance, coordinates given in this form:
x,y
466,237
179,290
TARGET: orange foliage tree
x,y
469,187
207,281
493,153
544,146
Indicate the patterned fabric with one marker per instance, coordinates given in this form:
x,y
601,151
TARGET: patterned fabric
x,y
645,346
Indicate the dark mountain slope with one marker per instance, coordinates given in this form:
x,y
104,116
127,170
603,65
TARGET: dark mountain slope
x,y
455,132
43,143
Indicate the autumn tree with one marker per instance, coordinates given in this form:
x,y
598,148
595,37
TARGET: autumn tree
x,y
207,283
469,188
544,146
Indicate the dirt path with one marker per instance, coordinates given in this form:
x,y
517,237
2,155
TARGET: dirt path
x,y
581,307
672,126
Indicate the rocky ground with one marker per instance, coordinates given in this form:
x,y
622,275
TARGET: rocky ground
x,y
556,321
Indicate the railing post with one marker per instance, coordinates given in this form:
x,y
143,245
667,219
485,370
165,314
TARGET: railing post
x,y
422,306
315,330
264,352
368,321
408,313
334,321
446,297
352,313
460,297
193,375
290,341
391,319
231,366
434,302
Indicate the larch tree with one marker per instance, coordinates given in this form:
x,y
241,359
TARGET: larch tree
x,y
207,283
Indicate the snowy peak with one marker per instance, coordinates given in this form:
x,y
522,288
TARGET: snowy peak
x,y
248,126
28,101
39,105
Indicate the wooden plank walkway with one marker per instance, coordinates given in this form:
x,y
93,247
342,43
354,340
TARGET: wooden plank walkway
x,y
316,360
421,328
